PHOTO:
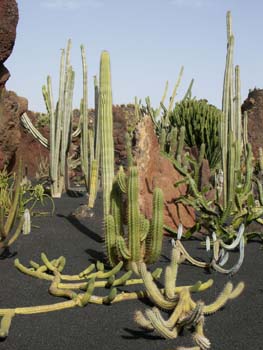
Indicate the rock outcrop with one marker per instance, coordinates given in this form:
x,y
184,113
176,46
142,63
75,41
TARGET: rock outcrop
x,y
157,171
11,105
8,23
11,108
254,107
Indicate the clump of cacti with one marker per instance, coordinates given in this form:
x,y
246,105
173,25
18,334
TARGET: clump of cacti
x,y
140,239
9,207
201,121
220,253
79,288
61,134
183,311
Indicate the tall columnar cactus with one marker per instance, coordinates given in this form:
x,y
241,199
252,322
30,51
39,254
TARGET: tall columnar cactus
x,y
231,127
142,240
106,129
61,125
60,121
84,144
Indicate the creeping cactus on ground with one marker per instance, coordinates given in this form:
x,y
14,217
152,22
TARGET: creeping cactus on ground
x,y
183,311
79,288
220,253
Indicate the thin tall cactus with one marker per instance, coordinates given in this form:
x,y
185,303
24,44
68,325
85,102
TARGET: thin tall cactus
x,y
60,121
230,128
106,129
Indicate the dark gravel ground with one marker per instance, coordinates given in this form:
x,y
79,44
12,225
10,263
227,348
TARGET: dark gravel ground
x,y
238,326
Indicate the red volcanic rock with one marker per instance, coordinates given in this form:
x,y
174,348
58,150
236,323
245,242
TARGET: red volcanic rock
x,y
11,108
157,171
254,107
8,23
30,150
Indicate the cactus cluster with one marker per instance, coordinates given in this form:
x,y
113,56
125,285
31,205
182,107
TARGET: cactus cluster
x,y
231,124
8,215
220,253
139,239
79,288
201,121
61,133
183,311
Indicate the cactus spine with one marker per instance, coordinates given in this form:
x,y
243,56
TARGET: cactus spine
x,y
106,132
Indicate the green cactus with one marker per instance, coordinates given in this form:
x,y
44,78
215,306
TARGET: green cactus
x,y
60,119
60,127
7,237
84,142
183,311
201,122
106,130
144,240
67,286
128,143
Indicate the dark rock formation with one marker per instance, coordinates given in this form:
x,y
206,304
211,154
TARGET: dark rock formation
x,y
11,108
254,107
123,119
33,154
8,23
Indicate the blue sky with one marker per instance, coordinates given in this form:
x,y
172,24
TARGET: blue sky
x,y
148,42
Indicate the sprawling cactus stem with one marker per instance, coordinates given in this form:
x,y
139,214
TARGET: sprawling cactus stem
x,y
184,312
33,130
6,323
106,132
219,257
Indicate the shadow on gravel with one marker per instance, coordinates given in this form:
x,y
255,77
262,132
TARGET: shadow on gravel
x,y
82,228
134,334
7,254
95,255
